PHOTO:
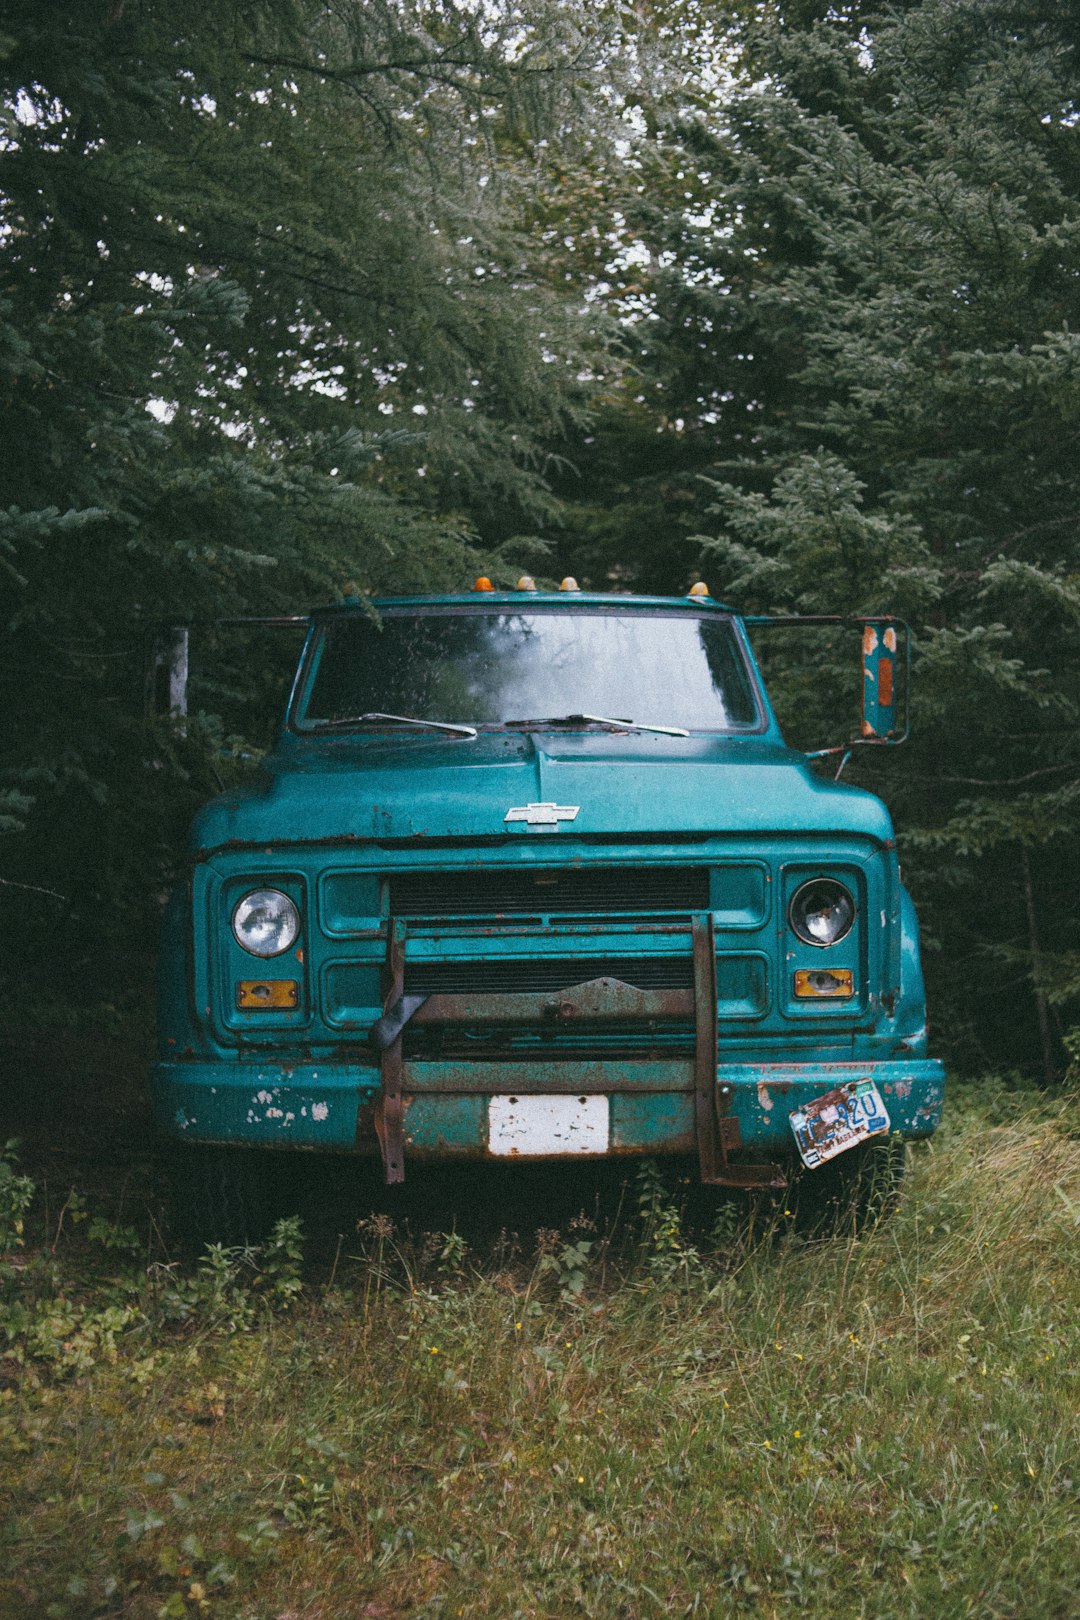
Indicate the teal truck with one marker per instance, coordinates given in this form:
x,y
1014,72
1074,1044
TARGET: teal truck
x,y
533,874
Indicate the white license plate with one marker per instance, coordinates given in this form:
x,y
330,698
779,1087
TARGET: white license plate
x,y
835,1122
547,1127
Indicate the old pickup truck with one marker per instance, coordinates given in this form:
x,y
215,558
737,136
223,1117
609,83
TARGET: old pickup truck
x,y
533,874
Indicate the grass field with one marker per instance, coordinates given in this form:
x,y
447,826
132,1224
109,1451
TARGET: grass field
x,y
626,1416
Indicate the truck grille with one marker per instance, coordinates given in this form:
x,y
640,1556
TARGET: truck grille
x,y
504,892
540,975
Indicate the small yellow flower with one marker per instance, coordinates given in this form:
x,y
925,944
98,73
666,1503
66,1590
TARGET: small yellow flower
x,y
569,1346
993,1507
1031,1472
581,1479
982,1369
797,1356
787,1212
433,1350
517,1327
767,1444
797,1433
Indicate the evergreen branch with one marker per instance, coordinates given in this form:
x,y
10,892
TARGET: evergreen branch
x,y
32,888
995,781
420,66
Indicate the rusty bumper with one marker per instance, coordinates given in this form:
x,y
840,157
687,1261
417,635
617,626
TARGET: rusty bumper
x,y
650,1107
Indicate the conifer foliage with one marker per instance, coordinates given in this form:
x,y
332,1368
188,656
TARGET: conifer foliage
x,y
265,327
908,194
855,327
299,292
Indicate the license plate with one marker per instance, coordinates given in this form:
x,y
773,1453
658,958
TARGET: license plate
x,y
832,1123
547,1127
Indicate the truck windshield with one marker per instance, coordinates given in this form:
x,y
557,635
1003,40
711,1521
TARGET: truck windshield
x,y
496,667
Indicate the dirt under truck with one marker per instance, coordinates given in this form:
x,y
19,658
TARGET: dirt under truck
x,y
533,874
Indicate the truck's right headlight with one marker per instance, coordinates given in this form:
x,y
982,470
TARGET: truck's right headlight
x,y
266,922
822,911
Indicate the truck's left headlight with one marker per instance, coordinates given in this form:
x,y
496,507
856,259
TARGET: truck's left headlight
x,y
266,922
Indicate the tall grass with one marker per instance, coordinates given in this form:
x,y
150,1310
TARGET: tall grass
x,y
657,1422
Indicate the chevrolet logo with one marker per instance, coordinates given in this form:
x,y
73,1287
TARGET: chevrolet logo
x,y
542,815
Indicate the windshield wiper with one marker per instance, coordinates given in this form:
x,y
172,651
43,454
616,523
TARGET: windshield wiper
x,y
374,718
599,720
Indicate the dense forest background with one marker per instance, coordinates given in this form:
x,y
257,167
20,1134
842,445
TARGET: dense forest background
x,y
302,292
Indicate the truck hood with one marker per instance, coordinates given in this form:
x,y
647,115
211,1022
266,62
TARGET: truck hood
x,y
420,787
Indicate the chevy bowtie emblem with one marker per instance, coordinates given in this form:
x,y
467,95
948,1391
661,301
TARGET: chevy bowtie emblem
x,y
542,815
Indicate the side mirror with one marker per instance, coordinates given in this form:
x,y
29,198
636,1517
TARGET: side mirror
x,y
167,676
885,688
879,649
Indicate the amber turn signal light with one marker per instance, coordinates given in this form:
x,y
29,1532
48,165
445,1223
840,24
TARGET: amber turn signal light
x,y
824,982
264,995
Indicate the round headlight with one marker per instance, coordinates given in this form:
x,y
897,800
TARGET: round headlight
x,y
822,911
266,922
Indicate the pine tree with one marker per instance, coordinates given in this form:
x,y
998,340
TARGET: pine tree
x,y
267,326
895,294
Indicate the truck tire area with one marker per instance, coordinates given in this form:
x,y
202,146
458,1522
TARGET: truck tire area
x,y
218,1195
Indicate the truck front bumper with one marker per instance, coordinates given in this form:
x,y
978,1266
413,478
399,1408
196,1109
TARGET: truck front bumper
x,y
574,1108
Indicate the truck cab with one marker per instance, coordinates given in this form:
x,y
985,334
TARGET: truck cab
x,y
533,874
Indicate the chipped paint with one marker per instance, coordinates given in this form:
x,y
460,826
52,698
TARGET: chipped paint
x,y
763,1097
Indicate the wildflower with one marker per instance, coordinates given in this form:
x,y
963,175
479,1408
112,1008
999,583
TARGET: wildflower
x,y
569,1346
1031,1472
581,1479
767,1444
517,1327
797,1433
433,1349
797,1356
787,1212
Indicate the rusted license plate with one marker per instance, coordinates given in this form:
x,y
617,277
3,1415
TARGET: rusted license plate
x,y
835,1122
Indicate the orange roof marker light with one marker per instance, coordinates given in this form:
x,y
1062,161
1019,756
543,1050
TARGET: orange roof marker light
x,y
526,583
700,589
483,584
569,584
